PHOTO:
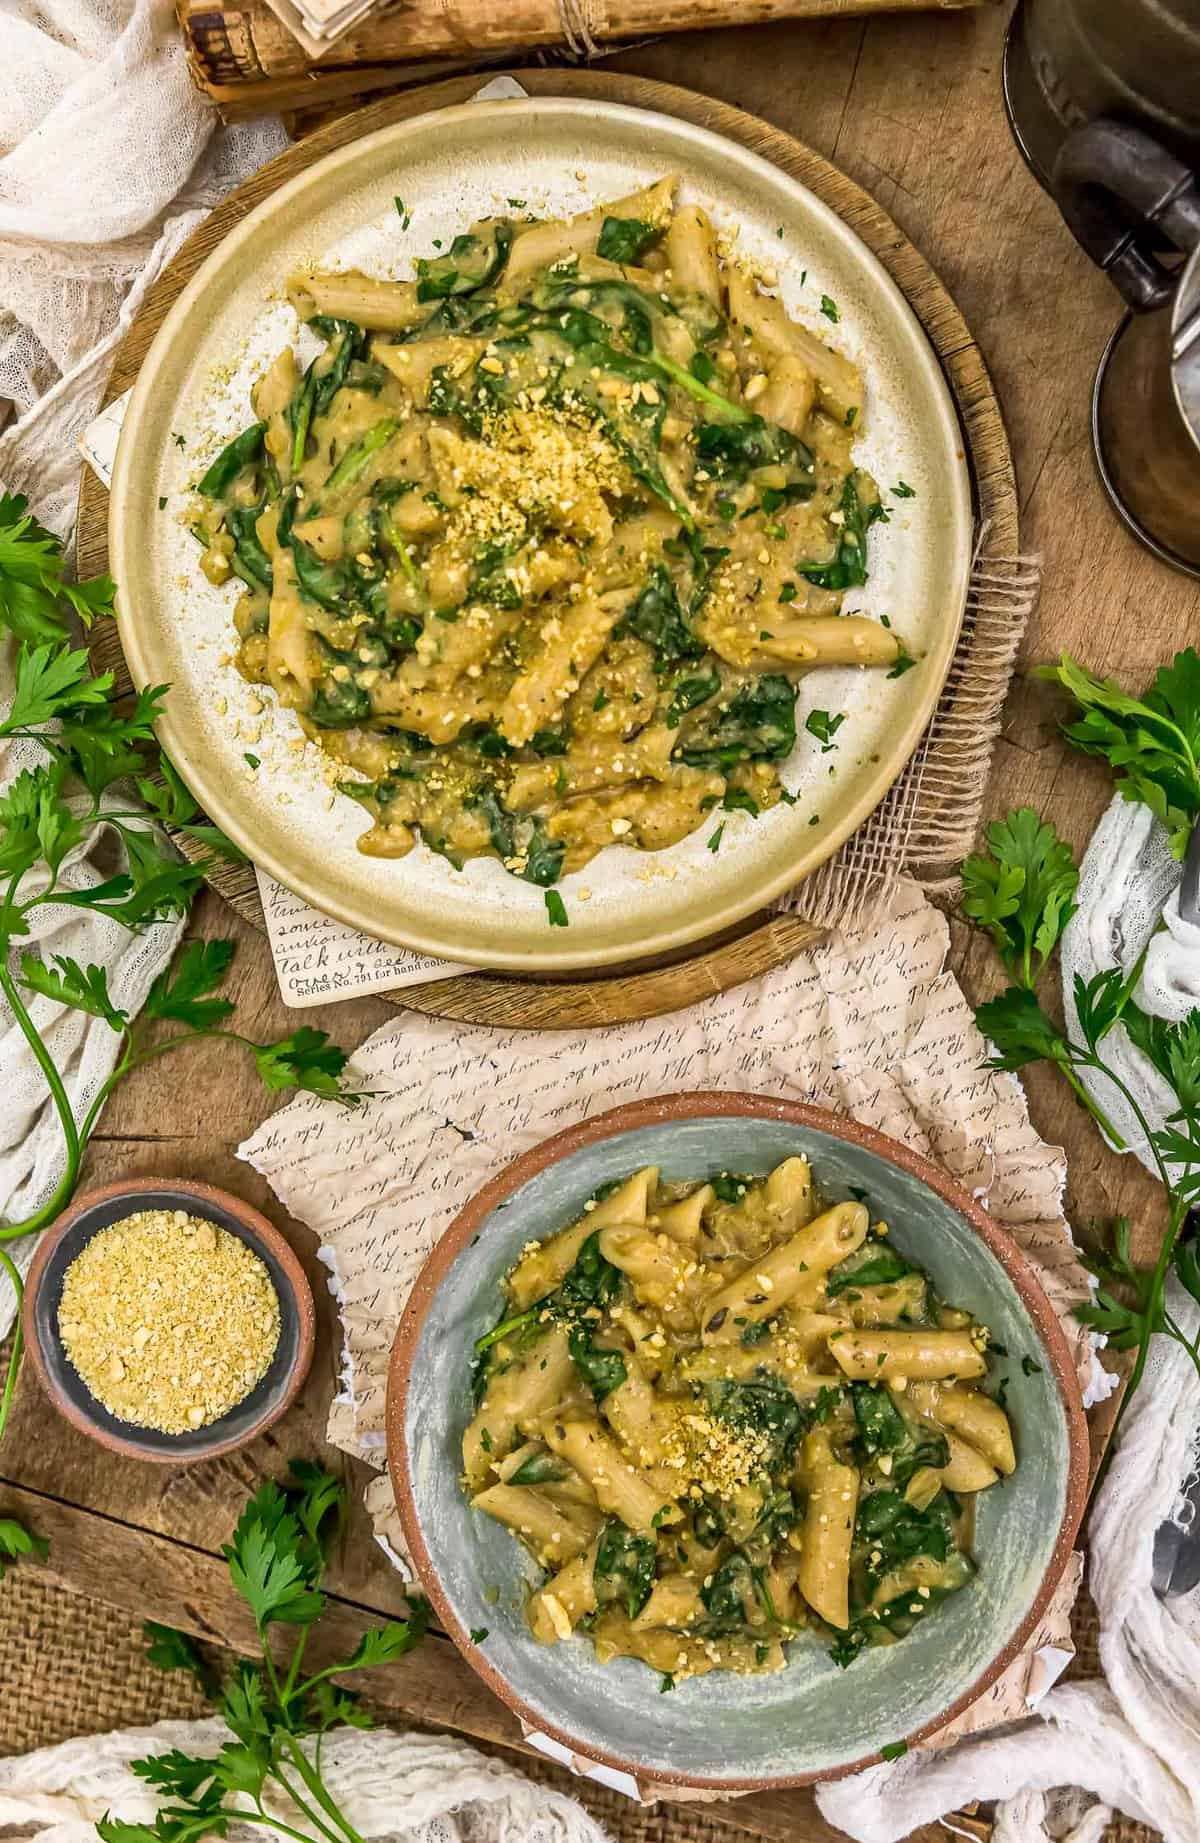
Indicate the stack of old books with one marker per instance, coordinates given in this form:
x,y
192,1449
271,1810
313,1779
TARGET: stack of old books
x,y
257,57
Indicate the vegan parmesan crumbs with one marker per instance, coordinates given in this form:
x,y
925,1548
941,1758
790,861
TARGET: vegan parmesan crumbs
x,y
169,1320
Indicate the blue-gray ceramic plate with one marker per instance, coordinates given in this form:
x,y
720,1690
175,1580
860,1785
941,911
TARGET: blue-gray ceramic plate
x,y
812,1720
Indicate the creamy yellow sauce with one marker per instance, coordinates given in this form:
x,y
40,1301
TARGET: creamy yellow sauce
x,y
540,544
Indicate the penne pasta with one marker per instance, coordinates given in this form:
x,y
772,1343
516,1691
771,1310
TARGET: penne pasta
x,y
829,1518
887,1356
975,1417
699,1492
542,540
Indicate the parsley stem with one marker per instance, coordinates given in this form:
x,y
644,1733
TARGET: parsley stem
x,y
301,1804
316,1787
261,1816
14,1355
66,1183
1093,1107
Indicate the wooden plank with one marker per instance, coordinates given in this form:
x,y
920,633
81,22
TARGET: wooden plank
x,y
185,1586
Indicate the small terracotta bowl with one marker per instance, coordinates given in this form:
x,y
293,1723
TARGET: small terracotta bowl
x,y
811,1720
66,1238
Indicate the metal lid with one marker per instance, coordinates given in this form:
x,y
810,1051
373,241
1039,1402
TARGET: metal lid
x,y
1185,345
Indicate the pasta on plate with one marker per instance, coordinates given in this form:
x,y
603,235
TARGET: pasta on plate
x,y
717,1414
540,542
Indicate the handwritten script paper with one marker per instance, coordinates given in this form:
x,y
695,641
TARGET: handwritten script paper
x,y
318,959
872,1027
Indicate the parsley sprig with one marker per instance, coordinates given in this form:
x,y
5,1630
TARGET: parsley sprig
x,y
1151,742
100,766
1022,893
277,1559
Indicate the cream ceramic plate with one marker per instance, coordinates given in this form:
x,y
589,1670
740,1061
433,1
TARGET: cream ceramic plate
x,y
193,393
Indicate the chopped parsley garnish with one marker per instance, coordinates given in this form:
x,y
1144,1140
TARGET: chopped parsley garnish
x,y
162,500
902,490
403,213
904,664
1029,1367
895,1750
665,1683
252,760
714,843
830,309
820,724
556,909
478,1634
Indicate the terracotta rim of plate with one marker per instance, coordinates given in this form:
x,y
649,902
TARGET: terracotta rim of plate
x,y
257,1227
657,1112
227,803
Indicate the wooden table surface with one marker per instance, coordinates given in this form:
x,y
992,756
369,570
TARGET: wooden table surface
x,y
911,108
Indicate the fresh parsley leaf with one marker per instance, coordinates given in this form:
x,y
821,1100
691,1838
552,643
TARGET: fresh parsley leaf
x,y
829,308
180,992
32,585
556,909
895,1750
51,681
168,1649
903,664
1023,893
266,1567
902,490
308,1060
385,1643
67,983
1018,1028
820,724
478,1634
17,1541
1152,743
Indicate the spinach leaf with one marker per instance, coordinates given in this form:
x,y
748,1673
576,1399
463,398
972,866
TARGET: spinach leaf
x,y
624,1568
626,239
515,838
689,692
896,1531
729,1594
657,618
848,569
471,263
538,1469
250,560
708,1525
876,1263
881,1426
327,383
732,450
330,585
758,724
237,455
593,1280
729,1187
489,583
602,1370
761,1405
337,704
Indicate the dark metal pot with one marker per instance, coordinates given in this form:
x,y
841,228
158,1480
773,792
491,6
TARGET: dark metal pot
x,y
1104,101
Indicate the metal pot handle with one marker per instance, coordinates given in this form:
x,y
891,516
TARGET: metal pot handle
x,y
1113,183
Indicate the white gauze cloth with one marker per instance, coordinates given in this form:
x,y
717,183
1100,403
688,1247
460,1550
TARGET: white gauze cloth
x,y
1128,897
424,1788
108,159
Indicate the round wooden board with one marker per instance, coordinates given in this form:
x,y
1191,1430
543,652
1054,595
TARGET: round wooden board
x,y
647,988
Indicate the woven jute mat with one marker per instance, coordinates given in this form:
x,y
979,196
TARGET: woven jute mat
x,y
70,1665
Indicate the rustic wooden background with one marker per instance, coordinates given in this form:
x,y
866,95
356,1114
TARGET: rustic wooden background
x,y
911,108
